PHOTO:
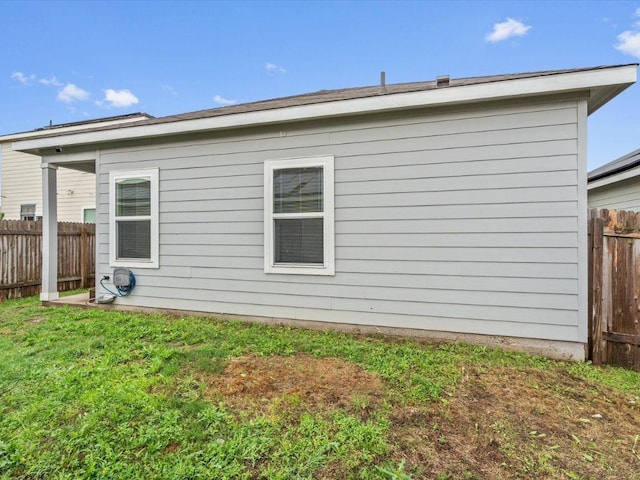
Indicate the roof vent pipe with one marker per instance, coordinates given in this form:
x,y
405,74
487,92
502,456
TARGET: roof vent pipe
x,y
383,83
442,81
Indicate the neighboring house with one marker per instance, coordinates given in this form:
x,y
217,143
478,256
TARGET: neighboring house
x,y
21,177
456,208
616,185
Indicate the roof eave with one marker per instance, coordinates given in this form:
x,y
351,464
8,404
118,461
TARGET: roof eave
x,y
630,171
599,85
74,127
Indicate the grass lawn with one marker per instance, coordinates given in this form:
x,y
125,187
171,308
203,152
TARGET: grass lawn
x,y
95,394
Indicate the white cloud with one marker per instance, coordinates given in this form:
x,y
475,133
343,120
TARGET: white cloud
x,y
50,81
22,78
71,93
223,101
119,98
273,68
509,28
629,43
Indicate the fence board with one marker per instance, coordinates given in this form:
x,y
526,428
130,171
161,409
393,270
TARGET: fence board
x,y
614,275
21,257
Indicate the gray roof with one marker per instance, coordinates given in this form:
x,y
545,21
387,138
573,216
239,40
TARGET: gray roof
x,y
323,96
626,162
326,96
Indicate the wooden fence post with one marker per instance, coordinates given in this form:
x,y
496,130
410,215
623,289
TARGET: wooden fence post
x,y
595,274
84,247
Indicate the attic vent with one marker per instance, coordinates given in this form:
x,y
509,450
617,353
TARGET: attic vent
x,y
442,81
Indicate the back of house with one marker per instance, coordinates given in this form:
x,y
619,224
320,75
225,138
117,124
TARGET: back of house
x,y
455,209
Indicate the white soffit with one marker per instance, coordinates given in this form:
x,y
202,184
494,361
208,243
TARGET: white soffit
x,y
602,84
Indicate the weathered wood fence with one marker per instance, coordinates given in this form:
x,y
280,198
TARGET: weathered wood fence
x,y
614,287
21,257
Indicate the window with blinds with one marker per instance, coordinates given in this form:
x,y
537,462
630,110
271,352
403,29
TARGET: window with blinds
x,y
134,218
299,216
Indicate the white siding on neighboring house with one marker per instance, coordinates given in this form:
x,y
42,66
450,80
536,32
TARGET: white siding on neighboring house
x,y
22,184
460,220
623,195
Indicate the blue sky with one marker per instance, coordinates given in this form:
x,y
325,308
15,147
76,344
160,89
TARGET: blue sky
x,y
72,61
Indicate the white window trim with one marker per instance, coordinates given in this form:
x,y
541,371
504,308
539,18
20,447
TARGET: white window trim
x,y
87,207
328,268
114,177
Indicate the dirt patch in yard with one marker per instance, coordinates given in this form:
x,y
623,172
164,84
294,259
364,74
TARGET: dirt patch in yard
x,y
501,422
261,383
508,423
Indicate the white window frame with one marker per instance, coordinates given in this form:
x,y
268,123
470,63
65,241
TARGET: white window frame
x,y
35,214
115,177
328,267
88,207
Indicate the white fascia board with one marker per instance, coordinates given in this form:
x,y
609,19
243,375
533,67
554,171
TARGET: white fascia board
x,y
617,177
550,84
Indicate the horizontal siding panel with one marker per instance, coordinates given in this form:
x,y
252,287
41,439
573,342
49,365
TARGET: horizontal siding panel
x,y
506,240
214,183
350,292
172,223
459,197
443,127
623,195
470,225
445,170
459,267
220,193
456,154
414,212
477,312
187,239
173,211
538,255
254,263
476,182
422,280
477,267
479,139
210,168
204,230
211,250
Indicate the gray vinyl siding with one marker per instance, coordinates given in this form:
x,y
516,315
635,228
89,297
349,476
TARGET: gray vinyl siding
x,y
460,220
623,195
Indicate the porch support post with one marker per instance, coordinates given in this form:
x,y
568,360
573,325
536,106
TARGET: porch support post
x,y
49,290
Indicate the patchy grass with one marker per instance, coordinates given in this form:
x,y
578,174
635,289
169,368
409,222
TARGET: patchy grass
x,y
95,394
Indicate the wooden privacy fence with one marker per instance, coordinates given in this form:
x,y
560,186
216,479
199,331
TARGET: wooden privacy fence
x,y
614,287
21,257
